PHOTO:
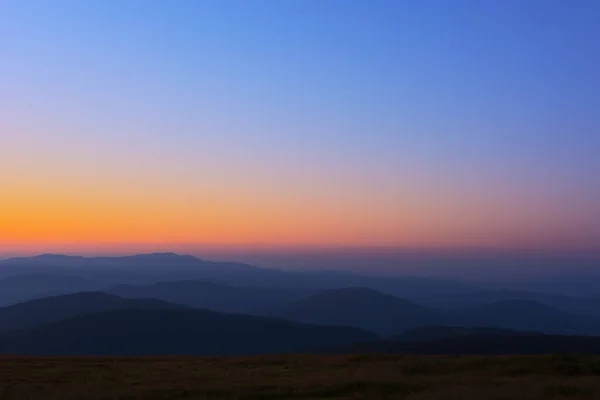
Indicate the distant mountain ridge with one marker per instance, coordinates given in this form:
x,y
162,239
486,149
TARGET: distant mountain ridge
x,y
384,305
146,269
53,259
141,263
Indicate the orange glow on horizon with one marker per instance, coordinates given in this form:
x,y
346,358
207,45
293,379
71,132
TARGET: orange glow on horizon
x,y
76,215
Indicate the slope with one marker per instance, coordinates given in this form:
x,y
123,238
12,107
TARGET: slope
x,y
170,332
55,308
363,308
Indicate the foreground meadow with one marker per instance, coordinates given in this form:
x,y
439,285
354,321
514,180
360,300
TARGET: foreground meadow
x,y
302,377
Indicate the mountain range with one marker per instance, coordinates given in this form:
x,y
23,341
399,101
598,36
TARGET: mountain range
x,y
105,324
118,305
387,315
147,269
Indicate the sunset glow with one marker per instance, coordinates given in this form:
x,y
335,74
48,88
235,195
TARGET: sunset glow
x,y
300,124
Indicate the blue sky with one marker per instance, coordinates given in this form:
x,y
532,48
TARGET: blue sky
x,y
457,105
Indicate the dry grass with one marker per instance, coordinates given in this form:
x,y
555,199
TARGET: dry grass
x,y
301,377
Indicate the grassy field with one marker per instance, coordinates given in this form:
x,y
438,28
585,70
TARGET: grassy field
x,y
302,377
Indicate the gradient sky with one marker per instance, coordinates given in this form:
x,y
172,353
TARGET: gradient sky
x,y
417,124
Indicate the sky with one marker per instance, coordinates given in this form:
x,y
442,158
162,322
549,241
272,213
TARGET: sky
x,y
429,124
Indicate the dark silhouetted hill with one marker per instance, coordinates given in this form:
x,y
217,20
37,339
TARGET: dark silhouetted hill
x,y
428,333
386,315
361,307
31,286
576,305
187,331
524,315
214,296
56,308
485,344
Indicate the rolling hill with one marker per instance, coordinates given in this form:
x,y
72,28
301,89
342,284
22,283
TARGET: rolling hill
x,y
170,332
572,304
388,315
428,333
56,308
363,308
214,296
524,315
485,344
26,286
